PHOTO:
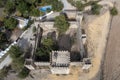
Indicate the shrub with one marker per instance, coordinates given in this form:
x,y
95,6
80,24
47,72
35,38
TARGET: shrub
x,y
113,11
4,72
96,9
61,24
24,73
15,52
10,23
79,5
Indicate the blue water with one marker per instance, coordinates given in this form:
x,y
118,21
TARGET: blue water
x,y
45,8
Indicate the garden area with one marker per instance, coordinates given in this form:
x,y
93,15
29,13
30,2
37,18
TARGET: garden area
x,y
27,8
47,45
80,5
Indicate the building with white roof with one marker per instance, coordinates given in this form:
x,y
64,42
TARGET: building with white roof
x,y
60,62
22,22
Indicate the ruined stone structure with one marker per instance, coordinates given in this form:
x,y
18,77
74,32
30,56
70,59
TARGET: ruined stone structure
x,y
60,60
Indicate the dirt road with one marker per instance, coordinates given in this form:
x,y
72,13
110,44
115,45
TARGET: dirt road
x,y
111,67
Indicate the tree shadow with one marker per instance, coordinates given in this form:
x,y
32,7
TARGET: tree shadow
x,y
52,35
64,42
24,44
75,56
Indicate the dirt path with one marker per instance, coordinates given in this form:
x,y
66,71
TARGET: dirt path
x,y
111,67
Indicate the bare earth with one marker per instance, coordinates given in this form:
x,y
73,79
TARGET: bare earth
x,y
112,62
111,68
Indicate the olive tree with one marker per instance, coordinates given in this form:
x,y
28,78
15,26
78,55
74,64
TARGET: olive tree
x,y
10,23
61,24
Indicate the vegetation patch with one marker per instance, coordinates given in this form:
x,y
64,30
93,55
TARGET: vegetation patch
x,y
114,11
96,9
80,6
61,24
10,23
25,7
4,72
18,61
47,45
24,73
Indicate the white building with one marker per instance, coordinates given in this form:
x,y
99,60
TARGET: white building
x,y
60,62
22,22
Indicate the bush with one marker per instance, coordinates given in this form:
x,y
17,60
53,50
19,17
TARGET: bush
x,y
15,52
22,7
45,48
42,53
79,5
18,64
113,11
34,12
24,73
9,7
56,5
18,61
4,72
61,24
10,23
96,9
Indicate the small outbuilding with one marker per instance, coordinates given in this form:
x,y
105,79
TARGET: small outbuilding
x,y
22,22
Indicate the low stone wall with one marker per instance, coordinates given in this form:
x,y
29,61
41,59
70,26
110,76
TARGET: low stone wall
x,y
76,63
42,63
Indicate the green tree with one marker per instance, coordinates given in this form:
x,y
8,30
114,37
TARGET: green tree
x,y
113,11
96,9
3,72
34,12
48,42
44,50
15,52
18,64
57,5
10,23
2,3
61,23
22,7
9,7
79,5
24,73
30,1
3,37
46,47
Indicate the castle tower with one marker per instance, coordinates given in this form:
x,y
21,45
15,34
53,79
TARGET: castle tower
x,y
60,62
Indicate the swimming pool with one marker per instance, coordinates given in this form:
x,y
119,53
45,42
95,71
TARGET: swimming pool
x,y
45,8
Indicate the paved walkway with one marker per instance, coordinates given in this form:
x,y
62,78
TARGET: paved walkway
x,y
24,43
5,62
67,5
